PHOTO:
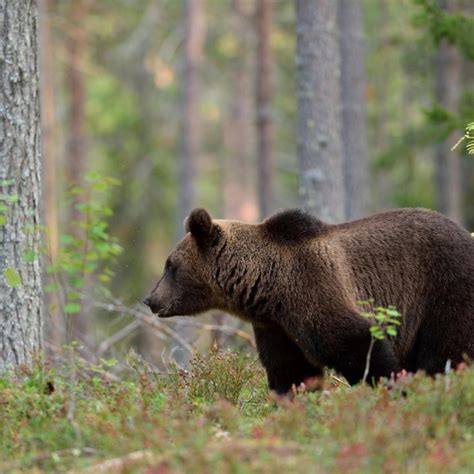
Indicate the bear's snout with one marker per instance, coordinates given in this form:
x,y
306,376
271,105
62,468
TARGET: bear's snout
x,y
152,305
155,306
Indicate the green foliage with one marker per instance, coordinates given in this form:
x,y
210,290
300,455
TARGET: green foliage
x,y
52,422
88,251
456,28
385,320
219,374
12,276
468,137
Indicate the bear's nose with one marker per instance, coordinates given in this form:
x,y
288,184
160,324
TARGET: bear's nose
x,y
147,301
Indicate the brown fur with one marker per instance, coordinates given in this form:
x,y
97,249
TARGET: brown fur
x,y
298,281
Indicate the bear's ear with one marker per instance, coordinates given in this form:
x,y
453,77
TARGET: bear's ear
x,y
199,224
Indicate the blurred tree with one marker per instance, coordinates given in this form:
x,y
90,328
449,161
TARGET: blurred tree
x,y
20,185
319,107
354,96
190,133
48,125
76,147
238,139
264,116
447,90
49,134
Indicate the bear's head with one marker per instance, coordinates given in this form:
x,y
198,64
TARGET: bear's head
x,y
231,265
185,287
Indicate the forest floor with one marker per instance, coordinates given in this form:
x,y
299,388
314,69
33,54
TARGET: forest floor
x,y
220,418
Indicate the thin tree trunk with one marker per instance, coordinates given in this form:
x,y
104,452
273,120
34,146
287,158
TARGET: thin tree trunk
x,y
447,85
48,124
239,139
319,114
54,321
353,98
76,85
190,135
20,179
264,119
76,153
239,128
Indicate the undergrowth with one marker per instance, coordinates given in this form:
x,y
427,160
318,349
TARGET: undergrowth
x,y
219,417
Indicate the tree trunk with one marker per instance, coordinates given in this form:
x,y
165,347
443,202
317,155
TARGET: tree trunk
x,y
48,126
353,99
76,153
448,166
319,122
239,127
190,134
55,328
239,139
264,122
20,185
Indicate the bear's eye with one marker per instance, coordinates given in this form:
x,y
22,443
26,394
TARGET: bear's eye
x,y
171,268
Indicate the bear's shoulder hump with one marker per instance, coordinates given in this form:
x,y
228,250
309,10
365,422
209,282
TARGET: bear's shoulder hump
x,y
292,225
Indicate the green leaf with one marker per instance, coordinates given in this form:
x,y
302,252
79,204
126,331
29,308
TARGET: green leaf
x,y
92,176
66,239
29,256
3,219
391,331
72,308
72,295
50,288
7,182
12,198
12,277
76,190
77,282
3,208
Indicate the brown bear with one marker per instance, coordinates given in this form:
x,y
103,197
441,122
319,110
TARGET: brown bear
x,y
299,280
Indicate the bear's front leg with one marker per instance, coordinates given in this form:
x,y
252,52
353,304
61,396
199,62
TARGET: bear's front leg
x,y
283,360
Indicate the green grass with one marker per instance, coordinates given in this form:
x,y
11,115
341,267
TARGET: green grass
x,y
219,417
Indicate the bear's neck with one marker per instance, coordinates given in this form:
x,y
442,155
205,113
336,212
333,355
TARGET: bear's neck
x,y
248,286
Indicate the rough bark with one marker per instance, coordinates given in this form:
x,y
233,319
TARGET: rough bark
x,y
190,132
20,178
264,118
448,167
319,122
353,102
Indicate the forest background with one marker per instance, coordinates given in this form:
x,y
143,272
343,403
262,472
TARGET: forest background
x,y
150,108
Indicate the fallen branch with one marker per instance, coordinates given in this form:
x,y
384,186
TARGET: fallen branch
x,y
118,336
124,462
